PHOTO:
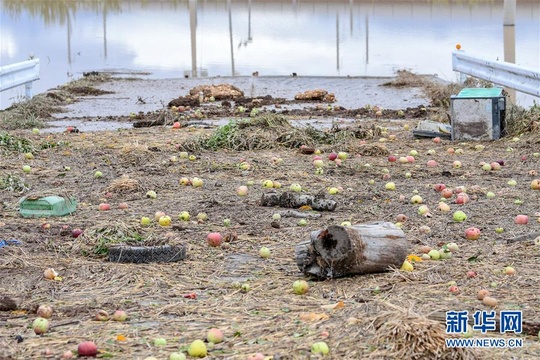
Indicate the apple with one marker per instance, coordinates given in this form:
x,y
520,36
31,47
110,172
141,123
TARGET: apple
x,y
244,165
165,220
102,315
264,252
214,336
27,168
183,155
318,163
296,187
184,181
29,156
345,223
196,182
276,216
403,160
431,152
424,229
460,189
434,254
462,198
226,222
242,190
471,274
535,184
445,254
333,191
44,311
202,217
495,166
499,230
459,151
320,348
214,239
35,131
456,164
386,177
454,289
437,140
268,184
482,293
197,349
416,199
408,175
277,184
300,287
192,157
521,219
486,167
158,214
392,158
452,246
332,156
512,182
184,216
508,270
410,158
76,232
176,125
490,195
459,216
160,342
119,315
423,209
87,348
245,287
104,207
342,155
177,356
338,162
302,222
432,163
472,233
98,174
439,187
151,194
390,186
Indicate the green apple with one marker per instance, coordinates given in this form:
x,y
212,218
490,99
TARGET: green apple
x,y
98,174
459,216
184,216
296,187
151,194
27,168
264,252
145,221
300,287
160,342
320,348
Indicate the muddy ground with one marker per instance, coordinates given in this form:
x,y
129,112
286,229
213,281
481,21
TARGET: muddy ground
x,y
180,301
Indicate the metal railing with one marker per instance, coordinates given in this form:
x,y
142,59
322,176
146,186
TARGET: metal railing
x,y
22,73
498,72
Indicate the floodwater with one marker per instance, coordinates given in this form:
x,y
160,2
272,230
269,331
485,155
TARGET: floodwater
x,y
177,38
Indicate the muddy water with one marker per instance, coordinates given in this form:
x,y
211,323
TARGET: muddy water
x,y
177,38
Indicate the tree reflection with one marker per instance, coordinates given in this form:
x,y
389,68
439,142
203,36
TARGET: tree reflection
x,y
58,11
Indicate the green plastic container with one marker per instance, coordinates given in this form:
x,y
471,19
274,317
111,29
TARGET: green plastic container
x,y
47,206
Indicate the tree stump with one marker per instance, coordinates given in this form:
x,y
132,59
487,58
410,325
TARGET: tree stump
x,y
297,200
339,251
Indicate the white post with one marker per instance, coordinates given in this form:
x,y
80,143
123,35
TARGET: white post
x,y
509,39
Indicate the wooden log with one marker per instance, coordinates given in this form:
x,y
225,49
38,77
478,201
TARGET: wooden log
x,y
339,251
297,200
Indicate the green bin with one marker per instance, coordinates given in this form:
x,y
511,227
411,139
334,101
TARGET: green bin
x,y
47,206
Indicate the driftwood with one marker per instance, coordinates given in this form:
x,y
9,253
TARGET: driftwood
x,y
297,200
526,237
339,251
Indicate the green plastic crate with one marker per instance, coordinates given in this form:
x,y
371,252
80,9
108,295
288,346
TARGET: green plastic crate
x,y
47,206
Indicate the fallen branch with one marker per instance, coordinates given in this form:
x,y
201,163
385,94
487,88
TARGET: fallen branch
x,y
299,214
297,200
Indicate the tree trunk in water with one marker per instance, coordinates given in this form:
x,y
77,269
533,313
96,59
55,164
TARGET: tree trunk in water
x,y
339,251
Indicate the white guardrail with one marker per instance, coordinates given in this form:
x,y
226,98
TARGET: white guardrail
x,y
498,72
22,73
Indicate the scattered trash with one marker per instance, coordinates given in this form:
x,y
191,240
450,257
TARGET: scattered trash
x,y
9,242
433,129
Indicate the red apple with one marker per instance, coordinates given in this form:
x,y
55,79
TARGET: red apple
x,y
472,233
437,140
471,274
521,219
454,289
119,315
432,163
123,206
447,193
214,239
440,187
76,232
87,348
535,184
104,207
176,125
332,156
462,198
392,158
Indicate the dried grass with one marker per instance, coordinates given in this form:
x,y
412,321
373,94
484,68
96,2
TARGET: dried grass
x,y
123,185
402,334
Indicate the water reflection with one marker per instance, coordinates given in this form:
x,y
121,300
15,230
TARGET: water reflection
x,y
210,38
